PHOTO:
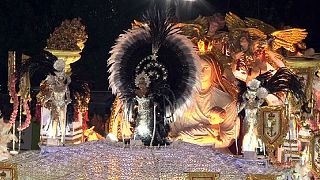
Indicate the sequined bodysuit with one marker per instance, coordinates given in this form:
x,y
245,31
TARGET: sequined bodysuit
x,y
144,121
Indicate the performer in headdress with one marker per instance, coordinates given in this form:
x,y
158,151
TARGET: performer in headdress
x,y
153,73
255,95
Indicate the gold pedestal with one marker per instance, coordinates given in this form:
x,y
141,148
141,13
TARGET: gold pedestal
x,y
68,57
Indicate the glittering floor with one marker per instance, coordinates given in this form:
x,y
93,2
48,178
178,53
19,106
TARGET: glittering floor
x,y
106,160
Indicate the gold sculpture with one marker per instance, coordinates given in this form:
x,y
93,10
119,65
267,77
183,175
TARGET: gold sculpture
x,y
212,118
67,41
280,38
263,42
69,36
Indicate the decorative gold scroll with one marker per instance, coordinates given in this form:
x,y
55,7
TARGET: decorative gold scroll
x,y
8,171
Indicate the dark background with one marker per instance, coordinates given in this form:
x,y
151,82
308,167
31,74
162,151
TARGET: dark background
x,y
25,25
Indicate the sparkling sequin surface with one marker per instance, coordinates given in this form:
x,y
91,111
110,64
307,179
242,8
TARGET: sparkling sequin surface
x,y
107,160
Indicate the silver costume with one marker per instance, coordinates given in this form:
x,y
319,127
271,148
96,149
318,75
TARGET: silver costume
x,y
145,119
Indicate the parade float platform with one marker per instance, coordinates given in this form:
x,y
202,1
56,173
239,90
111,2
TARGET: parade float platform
x,y
108,160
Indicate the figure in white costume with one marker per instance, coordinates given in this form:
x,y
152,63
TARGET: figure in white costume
x,y
57,99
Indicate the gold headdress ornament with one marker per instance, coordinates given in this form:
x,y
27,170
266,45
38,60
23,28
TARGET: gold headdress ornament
x,y
204,46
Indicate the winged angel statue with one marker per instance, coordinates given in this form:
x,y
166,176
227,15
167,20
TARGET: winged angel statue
x,y
254,45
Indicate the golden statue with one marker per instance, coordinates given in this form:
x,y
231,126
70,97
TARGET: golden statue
x,y
254,45
67,42
212,118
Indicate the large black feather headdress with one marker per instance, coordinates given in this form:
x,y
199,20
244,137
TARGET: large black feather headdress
x,y
284,81
156,48
40,63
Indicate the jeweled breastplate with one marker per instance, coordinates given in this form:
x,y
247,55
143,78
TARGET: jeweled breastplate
x,y
144,120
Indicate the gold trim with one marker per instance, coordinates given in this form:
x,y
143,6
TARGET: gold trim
x,y
68,56
73,141
261,177
291,152
11,167
273,145
315,168
301,62
202,175
290,141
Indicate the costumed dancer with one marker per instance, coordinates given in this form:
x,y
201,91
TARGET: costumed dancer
x,y
57,99
153,73
253,98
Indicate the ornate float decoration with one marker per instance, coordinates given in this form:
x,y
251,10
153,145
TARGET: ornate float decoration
x,y
286,127
66,43
273,126
303,142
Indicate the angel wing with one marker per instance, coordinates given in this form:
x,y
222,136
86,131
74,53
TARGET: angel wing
x,y
262,26
254,32
196,28
288,38
234,22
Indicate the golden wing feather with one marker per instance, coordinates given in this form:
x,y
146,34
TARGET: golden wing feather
x,y
196,28
288,38
254,32
294,35
202,21
276,44
234,22
262,26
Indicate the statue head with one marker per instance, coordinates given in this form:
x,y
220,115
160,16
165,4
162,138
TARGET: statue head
x,y
210,72
206,71
241,42
211,75
59,65
244,43
216,22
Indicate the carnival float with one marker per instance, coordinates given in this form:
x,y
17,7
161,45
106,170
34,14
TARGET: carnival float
x,y
218,97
